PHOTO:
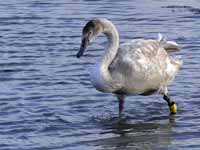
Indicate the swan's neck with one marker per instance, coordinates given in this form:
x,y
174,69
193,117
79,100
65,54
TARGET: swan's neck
x,y
110,52
113,43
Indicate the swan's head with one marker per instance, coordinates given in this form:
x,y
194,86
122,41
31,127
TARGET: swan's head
x,y
91,30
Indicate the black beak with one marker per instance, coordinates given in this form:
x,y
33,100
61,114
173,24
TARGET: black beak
x,y
84,44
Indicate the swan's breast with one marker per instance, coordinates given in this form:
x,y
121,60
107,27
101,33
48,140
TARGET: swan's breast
x,y
96,78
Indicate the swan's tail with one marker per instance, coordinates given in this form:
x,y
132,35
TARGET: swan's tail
x,y
169,46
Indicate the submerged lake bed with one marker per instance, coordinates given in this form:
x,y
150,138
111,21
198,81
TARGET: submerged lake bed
x,y
47,100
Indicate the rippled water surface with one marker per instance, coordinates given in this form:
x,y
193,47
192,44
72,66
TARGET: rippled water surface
x,y
47,100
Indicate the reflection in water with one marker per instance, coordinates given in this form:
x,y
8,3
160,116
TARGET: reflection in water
x,y
125,135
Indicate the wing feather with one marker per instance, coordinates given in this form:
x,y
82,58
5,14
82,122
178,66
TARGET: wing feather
x,y
140,65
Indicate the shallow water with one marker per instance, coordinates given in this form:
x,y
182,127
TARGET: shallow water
x,y
47,100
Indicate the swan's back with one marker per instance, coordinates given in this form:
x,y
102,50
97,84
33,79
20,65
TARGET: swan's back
x,y
142,66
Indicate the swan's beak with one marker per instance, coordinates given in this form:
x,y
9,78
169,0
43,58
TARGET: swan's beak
x,y
84,44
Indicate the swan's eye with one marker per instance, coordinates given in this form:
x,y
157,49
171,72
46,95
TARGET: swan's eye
x,y
89,33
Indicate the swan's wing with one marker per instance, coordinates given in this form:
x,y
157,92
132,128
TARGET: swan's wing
x,y
135,56
141,65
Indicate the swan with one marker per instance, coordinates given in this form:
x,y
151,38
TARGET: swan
x,y
137,67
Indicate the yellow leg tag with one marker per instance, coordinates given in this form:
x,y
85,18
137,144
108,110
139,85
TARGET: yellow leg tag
x,y
173,108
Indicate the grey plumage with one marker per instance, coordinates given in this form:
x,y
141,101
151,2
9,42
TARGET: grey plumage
x,y
136,67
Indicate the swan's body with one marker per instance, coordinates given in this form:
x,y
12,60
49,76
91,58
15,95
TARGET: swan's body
x,y
136,67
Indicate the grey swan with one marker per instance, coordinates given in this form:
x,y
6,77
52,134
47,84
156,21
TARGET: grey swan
x,y
137,67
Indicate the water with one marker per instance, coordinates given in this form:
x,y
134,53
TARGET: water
x,y
47,100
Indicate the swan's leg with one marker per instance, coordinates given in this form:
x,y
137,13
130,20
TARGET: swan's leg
x,y
121,99
171,104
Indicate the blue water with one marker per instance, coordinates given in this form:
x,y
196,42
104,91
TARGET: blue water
x,y
47,100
